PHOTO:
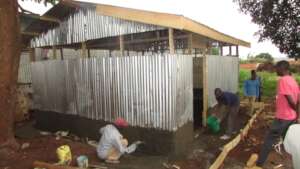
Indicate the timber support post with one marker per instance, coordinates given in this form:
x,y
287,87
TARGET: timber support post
x,y
190,44
32,54
61,53
83,49
237,51
221,50
205,91
121,39
89,53
171,41
54,52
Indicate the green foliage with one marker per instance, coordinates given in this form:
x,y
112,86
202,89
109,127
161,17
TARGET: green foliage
x,y
265,56
278,21
269,82
215,51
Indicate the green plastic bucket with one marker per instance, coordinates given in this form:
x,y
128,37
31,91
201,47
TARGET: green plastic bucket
x,y
213,124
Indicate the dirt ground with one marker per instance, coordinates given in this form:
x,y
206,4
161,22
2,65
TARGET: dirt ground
x,y
252,144
205,148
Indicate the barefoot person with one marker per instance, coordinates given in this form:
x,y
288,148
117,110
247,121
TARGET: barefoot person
x,y
232,103
112,145
286,109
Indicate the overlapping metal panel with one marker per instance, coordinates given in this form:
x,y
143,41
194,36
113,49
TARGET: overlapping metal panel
x,y
85,25
24,74
222,72
148,91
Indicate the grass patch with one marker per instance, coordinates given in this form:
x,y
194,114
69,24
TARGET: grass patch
x,y
269,82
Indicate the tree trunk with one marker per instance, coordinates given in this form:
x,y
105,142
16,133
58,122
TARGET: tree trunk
x,y
10,51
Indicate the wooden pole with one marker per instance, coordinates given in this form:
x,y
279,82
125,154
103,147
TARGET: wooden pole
x,y
190,43
41,164
83,49
221,50
171,41
122,45
54,52
61,53
32,54
237,51
89,53
205,91
230,52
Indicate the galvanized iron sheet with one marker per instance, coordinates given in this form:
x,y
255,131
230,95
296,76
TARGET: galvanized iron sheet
x,y
87,25
222,72
24,74
148,91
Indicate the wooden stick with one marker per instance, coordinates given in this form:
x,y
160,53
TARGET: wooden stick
x,y
232,144
41,164
171,41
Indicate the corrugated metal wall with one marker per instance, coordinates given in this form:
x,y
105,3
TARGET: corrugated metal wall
x,y
24,75
87,25
148,91
222,73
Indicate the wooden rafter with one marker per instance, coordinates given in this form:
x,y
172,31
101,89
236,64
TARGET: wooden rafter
x,y
30,33
43,18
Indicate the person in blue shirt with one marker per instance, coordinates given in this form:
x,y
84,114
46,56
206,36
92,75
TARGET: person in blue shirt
x,y
232,103
252,86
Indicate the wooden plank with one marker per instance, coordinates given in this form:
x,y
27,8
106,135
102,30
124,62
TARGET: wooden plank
x,y
171,41
43,18
83,50
54,52
40,164
30,33
89,53
190,43
232,144
32,54
205,91
61,53
121,42
198,72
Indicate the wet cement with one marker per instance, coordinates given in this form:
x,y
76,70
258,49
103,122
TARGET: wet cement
x,y
157,142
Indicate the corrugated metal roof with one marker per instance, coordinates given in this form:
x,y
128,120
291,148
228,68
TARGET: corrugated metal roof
x,y
67,7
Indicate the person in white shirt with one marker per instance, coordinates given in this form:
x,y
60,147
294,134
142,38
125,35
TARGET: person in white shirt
x,y
292,144
112,145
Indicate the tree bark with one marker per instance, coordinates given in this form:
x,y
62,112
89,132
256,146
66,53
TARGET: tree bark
x,y
10,43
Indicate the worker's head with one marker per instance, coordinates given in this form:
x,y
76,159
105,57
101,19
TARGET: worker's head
x,y
218,93
120,123
282,68
253,74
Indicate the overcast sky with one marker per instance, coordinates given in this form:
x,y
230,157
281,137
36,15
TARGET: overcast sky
x,y
222,15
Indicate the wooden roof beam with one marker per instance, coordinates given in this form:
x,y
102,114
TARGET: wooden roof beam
x,y
30,33
43,18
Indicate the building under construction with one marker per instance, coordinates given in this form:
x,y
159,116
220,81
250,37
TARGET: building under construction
x,y
92,63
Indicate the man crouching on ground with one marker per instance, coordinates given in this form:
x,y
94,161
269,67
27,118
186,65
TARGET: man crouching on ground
x,y
232,103
112,145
